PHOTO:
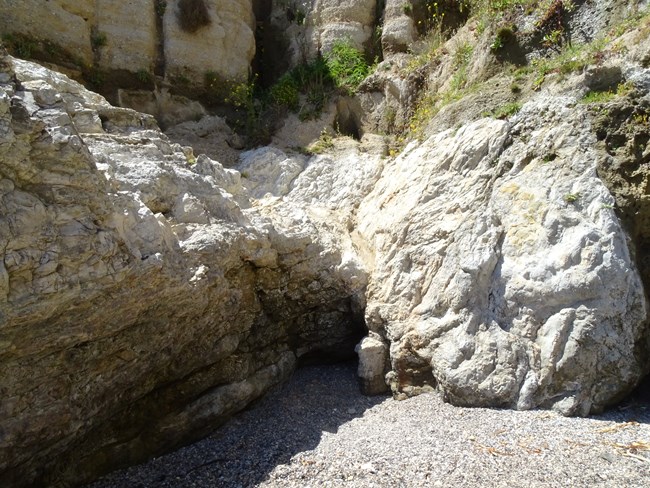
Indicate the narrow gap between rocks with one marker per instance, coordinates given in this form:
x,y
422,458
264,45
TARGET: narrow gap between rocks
x,y
271,59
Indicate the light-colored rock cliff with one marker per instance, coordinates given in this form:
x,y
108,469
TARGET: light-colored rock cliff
x,y
343,19
141,36
147,293
311,27
67,22
399,30
139,290
500,278
224,47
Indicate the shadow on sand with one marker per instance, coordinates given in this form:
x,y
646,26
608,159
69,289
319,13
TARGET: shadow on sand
x,y
289,420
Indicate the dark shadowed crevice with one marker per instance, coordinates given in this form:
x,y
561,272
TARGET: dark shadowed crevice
x,y
348,118
341,348
625,169
271,54
639,397
160,6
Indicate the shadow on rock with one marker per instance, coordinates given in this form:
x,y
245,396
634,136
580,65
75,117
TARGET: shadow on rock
x,y
289,420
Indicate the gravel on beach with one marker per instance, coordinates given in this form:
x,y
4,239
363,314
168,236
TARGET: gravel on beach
x,y
317,430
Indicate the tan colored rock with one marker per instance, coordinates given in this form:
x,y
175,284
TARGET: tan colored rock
x,y
373,365
139,288
502,280
131,36
224,47
67,23
337,20
399,30
322,23
169,109
124,35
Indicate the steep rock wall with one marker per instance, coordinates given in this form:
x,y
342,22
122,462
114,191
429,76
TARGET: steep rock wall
x,y
142,298
225,47
307,28
499,278
142,36
147,294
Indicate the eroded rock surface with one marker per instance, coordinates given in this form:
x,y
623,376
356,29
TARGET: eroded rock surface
x,y
142,297
142,36
500,277
146,293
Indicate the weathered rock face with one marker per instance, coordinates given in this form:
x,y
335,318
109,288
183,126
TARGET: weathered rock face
x,y
500,278
307,28
225,46
146,294
143,36
343,19
399,29
141,298
68,22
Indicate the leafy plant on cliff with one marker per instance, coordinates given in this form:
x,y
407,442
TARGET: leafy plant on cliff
x,y
20,45
306,87
505,111
192,15
98,39
504,35
347,66
605,96
285,92
160,6
144,76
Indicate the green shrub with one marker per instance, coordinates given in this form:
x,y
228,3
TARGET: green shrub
x,y
192,15
605,96
553,38
462,57
19,45
95,76
324,142
144,76
571,197
98,39
503,36
160,6
285,92
507,110
347,66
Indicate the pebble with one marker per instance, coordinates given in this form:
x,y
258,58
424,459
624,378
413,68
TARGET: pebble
x,y
317,430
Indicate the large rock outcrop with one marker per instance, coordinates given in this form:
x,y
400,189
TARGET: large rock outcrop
x,y
501,278
146,294
142,297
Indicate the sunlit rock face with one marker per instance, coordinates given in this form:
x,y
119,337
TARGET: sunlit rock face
x,y
147,293
143,297
143,36
501,278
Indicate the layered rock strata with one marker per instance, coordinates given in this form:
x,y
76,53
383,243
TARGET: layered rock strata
x,y
143,296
